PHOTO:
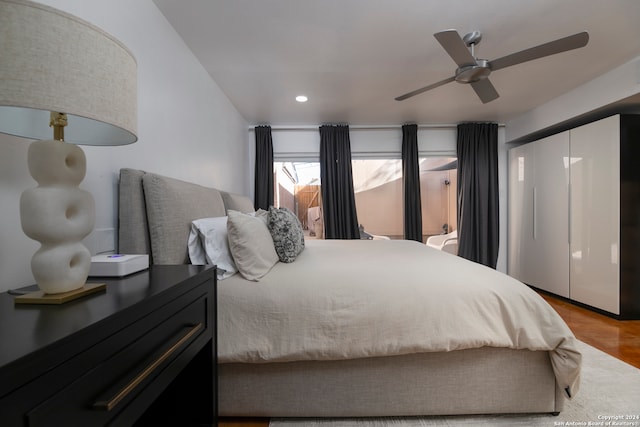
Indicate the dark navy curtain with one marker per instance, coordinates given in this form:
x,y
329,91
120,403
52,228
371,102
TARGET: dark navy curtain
x,y
263,188
478,214
336,179
411,183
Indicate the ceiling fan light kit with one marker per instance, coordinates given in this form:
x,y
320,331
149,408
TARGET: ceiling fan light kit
x,y
476,71
472,73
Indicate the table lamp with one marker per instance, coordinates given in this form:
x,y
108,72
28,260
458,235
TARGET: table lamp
x,y
58,70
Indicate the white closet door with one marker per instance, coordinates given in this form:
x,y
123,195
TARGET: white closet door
x,y
538,214
550,195
521,168
595,214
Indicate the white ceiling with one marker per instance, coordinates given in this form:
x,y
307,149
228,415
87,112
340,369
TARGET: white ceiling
x,y
353,57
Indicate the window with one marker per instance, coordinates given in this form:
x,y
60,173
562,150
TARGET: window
x,y
438,190
378,188
378,193
297,187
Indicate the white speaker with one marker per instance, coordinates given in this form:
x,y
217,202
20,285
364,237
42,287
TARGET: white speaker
x,y
117,265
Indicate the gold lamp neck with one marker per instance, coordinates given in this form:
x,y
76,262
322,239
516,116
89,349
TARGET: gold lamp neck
x,y
58,122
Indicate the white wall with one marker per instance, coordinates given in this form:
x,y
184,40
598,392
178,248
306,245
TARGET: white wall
x,y
187,129
612,92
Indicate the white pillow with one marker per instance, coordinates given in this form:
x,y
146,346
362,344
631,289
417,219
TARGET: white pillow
x,y
251,244
208,244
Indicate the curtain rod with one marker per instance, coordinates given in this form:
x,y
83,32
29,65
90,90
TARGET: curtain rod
x,y
363,127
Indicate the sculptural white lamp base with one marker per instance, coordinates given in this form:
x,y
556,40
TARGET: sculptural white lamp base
x,y
58,214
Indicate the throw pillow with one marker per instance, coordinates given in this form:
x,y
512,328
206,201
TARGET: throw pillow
x,y
287,233
251,244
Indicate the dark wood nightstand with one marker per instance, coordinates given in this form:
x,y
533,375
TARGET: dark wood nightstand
x,y
143,352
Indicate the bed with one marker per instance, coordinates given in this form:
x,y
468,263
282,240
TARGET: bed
x,y
361,328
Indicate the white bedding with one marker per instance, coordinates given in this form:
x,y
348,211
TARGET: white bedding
x,y
368,298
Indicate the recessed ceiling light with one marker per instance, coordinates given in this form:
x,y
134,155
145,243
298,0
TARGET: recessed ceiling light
x,y
301,98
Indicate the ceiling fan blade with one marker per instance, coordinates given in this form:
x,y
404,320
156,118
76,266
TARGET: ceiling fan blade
x,y
557,46
455,47
485,90
424,89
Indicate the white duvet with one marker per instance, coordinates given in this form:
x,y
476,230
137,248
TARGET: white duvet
x,y
347,299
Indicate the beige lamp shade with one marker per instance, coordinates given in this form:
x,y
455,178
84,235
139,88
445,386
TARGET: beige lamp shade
x,y
54,61
54,66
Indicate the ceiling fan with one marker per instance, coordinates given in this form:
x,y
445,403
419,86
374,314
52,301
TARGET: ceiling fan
x,y
476,71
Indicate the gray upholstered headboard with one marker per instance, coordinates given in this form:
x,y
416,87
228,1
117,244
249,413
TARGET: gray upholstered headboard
x,y
155,213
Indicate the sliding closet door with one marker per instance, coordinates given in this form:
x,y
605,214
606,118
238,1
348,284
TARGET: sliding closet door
x,y
538,214
551,215
595,214
521,177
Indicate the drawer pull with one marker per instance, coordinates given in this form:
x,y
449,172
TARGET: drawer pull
x,y
107,405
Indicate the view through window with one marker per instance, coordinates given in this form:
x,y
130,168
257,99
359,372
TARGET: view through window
x,y
378,193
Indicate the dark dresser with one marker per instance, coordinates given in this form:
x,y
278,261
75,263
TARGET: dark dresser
x,y
141,352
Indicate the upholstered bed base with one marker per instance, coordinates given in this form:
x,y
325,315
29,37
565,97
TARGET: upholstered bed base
x,y
476,381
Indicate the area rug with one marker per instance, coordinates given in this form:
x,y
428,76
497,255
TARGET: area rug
x,y
609,396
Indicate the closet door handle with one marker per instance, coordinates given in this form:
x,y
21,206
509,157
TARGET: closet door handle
x,y
112,402
569,216
535,216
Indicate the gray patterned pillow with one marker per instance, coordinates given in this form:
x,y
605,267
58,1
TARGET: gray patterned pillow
x,y
287,234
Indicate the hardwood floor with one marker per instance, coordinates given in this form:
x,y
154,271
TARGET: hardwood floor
x,y
619,338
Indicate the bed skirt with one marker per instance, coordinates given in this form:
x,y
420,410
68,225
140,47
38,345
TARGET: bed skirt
x,y
476,381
